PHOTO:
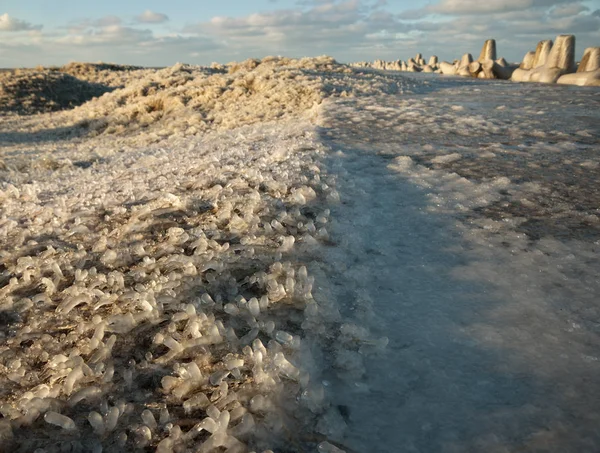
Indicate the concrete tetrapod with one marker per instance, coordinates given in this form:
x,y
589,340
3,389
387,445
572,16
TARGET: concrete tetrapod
x,y
487,61
419,61
588,73
447,68
465,63
532,60
395,66
488,52
542,52
590,60
528,60
487,70
560,61
484,67
502,70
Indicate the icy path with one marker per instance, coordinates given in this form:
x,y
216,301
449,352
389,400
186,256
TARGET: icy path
x,y
493,335
433,382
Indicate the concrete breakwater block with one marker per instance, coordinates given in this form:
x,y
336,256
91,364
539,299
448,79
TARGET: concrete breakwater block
x,y
487,66
542,52
528,60
590,60
465,63
588,72
447,68
550,62
532,60
488,52
414,64
502,70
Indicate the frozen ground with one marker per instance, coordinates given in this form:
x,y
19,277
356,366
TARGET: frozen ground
x,y
393,265
469,220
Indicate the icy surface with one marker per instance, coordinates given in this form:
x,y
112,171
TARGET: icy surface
x,y
159,298
469,224
392,265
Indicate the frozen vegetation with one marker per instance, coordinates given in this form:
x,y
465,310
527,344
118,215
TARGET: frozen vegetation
x,y
294,255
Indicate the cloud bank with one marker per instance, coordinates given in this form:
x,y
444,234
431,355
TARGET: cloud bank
x,y
8,23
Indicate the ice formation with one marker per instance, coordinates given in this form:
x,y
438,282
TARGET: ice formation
x,y
296,255
470,234
160,295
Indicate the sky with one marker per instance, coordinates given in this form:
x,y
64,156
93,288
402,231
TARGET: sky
x,y
162,33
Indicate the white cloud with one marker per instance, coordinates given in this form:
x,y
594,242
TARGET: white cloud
x,y
107,21
474,7
115,35
339,28
478,7
353,30
151,17
104,40
8,23
569,10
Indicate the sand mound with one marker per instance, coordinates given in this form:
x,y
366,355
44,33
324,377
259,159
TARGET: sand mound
x,y
33,91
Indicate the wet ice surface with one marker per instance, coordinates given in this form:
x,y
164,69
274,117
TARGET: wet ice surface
x,y
469,219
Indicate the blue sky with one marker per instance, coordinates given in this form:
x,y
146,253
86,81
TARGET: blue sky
x,y
160,33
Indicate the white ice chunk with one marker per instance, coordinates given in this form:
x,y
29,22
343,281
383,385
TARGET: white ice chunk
x,y
54,418
97,423
87,393
148,419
